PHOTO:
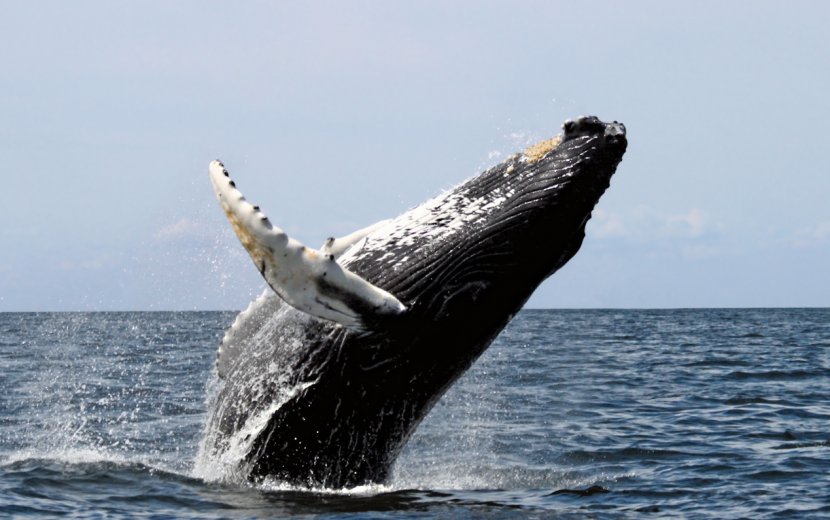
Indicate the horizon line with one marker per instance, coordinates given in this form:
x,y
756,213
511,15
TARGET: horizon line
x,y
148,311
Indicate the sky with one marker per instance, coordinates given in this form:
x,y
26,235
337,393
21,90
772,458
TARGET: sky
x,y
334,115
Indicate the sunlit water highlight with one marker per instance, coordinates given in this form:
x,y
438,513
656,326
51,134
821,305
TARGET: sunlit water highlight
x,y
703,413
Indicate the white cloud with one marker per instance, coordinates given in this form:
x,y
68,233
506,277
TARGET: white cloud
x,y
643,222
816,234
702,251
605,224
692,223
822,231
90,263
182,227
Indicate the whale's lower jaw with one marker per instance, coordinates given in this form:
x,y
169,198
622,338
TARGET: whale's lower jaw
x,y
317,403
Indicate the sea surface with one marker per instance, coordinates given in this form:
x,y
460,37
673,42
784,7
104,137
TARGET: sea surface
x,y
570,414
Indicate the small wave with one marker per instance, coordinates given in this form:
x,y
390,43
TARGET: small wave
x,y
776,374
744,400
717,362
89,483
803,445
626,337
752,335
84,458
636,453
777,475
67,456
593,490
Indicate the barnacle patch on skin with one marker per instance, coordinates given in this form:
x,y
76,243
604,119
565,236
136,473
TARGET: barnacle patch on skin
x,y
535,152
248,240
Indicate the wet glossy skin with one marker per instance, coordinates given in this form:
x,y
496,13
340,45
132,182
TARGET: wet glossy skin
x,y
312,403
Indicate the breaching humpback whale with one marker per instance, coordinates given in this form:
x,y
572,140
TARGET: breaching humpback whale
x,y
325,377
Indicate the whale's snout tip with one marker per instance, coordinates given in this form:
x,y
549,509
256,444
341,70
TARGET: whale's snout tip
x,y
614,131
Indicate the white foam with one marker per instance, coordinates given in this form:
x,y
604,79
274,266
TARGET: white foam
x,y
71,456
364,490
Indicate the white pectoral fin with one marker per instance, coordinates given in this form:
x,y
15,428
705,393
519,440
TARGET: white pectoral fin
x,y
306,279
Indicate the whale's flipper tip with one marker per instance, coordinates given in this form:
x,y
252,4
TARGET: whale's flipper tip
x,y
309,280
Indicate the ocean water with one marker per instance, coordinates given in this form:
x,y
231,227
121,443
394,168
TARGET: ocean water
x,y
570,414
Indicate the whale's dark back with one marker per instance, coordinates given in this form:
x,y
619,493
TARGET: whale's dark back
x,y
463,264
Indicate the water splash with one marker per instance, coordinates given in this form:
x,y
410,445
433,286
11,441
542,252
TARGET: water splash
x,y
99,386
270,384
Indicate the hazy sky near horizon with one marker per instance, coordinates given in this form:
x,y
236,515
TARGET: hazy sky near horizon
x,y
333,115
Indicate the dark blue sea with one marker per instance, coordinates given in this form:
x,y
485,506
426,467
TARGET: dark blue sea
x,y
570,414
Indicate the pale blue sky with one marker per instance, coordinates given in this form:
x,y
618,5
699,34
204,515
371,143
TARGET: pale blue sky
x,y
336,115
